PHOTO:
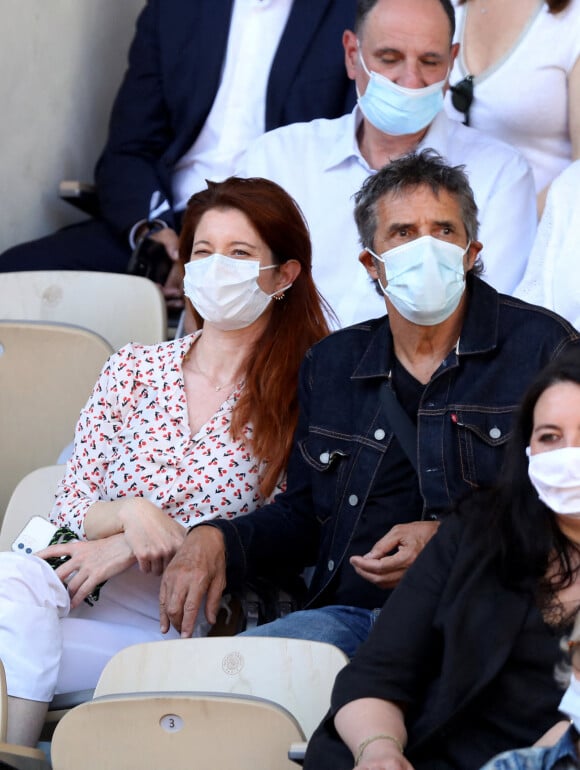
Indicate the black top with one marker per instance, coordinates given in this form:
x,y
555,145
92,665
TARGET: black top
x,y
471,661
394,499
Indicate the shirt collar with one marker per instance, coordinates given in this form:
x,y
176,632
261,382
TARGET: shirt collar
x,y
437,136
346,147
479,333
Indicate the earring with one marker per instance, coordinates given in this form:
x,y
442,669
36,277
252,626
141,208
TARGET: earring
x,y
279,297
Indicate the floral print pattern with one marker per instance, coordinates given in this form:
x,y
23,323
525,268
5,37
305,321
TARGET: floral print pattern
x,y
133,439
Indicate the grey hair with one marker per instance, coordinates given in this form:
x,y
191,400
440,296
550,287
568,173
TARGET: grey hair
x,y
407,173
364,7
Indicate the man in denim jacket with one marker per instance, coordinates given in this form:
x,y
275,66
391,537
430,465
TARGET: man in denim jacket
x,y
458,357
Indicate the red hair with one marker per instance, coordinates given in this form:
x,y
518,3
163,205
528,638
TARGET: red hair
x,y
269,398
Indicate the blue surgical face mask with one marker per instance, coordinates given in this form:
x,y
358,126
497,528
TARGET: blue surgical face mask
x,y
425,278
397,110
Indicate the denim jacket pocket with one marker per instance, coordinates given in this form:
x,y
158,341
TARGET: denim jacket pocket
x,y
327,458
482,436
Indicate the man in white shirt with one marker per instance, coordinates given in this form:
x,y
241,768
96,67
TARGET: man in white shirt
x,y
400,56
204,80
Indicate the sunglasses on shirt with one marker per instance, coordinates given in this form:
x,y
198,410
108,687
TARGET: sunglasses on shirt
x,y
462,96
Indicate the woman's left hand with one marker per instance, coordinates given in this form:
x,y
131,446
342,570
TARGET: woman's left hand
x,y
91,563
153,536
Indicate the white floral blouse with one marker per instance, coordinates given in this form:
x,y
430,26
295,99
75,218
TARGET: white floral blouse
x,y
133,439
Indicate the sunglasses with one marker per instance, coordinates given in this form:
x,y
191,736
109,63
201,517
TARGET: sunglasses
x,y
462,96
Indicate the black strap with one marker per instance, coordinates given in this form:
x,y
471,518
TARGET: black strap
x,y
401,424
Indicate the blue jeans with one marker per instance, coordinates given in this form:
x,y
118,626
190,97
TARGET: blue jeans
x,y
345,627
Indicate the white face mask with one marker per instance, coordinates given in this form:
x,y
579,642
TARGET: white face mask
x,y
570,703
555,476
425,279
225,291
397,110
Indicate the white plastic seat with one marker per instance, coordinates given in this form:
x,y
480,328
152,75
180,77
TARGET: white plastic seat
x,y
213,689
121,308
33,496
178,731
295,673
47,373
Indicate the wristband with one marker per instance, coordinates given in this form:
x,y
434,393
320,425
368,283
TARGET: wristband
x,y
152,225
372,739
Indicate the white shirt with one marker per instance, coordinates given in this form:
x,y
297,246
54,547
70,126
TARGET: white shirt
x,y
320,165
552,276
523,98
238,113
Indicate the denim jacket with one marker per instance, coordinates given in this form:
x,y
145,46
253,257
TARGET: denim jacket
x,y
464,422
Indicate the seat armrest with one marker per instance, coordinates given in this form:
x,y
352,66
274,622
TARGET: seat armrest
x,y
297,751
80,194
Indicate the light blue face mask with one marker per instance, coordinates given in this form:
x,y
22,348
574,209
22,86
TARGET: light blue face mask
x,y
397,110
425,279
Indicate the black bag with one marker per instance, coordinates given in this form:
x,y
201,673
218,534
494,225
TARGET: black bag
x,y
151,260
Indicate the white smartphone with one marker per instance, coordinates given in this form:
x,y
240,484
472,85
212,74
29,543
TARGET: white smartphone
x,y
35,536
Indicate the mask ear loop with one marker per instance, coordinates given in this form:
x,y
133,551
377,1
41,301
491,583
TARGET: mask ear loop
x,y
380,259
279,294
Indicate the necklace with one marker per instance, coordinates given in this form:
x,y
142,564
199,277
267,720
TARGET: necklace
x,y
216,386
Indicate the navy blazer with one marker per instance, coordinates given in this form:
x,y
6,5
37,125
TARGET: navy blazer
x,y
175,64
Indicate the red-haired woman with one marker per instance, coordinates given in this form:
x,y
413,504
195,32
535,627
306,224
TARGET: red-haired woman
x,y
173,435
517,77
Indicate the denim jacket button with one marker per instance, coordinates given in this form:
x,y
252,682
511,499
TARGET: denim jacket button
x,y
325,457
380,434
330,565
353,500
494,433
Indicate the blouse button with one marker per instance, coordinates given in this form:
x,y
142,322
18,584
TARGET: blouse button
x,y
353,500
380,434
330,565
494,433
324,458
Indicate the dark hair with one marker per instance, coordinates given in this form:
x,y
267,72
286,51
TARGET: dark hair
x,y
554,6
407,173
519,525
364,7
269,397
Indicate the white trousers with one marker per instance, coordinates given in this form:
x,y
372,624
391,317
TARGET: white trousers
x,y
47,648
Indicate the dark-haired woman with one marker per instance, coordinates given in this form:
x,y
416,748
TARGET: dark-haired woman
x,y
173,435
460,663
524,60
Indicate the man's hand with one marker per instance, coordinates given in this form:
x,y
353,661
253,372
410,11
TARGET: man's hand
x,y
408,540
173,288
198,569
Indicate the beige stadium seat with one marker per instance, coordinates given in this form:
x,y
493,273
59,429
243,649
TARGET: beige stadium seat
x,y
17,757
178,731
33,496
145,686
295,673
121,308
47,373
